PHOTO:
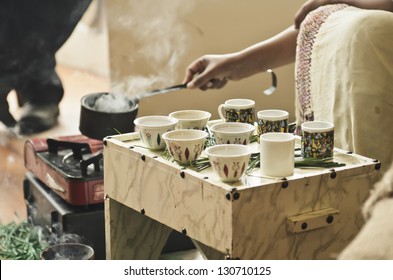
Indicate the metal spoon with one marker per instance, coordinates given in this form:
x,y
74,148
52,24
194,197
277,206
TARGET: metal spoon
x,y
273,87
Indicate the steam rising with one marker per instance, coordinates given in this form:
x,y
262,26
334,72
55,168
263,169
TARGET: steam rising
x,y
157,40
112,103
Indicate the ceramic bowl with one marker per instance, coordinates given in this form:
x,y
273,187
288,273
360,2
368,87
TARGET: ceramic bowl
x,y
151,129
185,145
232,133
229,161
191,119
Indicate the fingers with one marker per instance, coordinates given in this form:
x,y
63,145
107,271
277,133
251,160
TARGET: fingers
x,y
214,84
205,73
196,67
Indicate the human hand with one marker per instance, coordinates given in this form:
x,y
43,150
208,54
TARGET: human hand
x,y
209,72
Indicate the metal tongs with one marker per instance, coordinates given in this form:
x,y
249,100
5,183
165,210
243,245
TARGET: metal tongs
x,y
273,87
160,91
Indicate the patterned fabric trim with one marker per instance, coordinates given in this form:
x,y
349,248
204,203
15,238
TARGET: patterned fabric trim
x,y
305,41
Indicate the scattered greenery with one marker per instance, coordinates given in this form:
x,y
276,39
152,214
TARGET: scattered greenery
x,y
300,162
20,242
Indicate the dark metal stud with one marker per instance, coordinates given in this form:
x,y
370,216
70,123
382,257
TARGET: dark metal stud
x,y
143,157
132,147
304,226
378,166
329,219
155,157
143,211
184,231
236,196
284,184
182,174
349,152
228,196
206,178
333,174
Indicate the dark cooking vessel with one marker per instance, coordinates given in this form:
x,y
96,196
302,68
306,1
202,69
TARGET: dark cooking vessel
x,y
98,125
68,251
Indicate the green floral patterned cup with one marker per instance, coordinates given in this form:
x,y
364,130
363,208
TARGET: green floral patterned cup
x,y
317,139
237,110
151,129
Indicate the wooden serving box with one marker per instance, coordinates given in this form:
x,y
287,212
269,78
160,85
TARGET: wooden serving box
x,y
313,214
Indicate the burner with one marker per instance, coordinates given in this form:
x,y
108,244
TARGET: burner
x,y
72,166
73,159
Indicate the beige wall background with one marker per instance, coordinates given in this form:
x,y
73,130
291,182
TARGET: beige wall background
x,y
151,42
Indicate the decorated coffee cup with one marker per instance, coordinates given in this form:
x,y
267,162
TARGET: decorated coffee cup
x,y
185,145
317,139
229,161
232,133
151,129
191,119
237,110
272,121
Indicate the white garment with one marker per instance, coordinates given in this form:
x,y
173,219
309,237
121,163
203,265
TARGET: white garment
x,y
351,80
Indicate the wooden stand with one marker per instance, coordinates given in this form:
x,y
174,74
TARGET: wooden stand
x,y
313,214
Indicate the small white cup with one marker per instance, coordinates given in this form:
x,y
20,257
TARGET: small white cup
x,y
185,145
237,110
229,161
232,133
191,119
151,129
277,158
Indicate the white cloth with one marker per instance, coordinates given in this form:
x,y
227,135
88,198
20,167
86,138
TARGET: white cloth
x,y
351,80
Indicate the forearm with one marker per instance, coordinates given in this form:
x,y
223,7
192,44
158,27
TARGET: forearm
x,y
271,53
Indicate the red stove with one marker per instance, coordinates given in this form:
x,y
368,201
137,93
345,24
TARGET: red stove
x,y
72,166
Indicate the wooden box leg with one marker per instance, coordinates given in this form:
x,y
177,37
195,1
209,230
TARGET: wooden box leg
x,y
208,253
131,235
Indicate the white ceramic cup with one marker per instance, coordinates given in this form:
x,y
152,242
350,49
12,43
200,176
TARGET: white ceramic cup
x,y
277,154
151,129
191,119
185,145
232,133
237,110
229,161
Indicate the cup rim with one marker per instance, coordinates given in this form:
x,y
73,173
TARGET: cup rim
x,y
277,137
171,121
244,150
272,114
247,127
204,115
248,103
200,134
317,126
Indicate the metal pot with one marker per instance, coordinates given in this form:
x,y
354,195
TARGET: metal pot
x,y
97,125
68,251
